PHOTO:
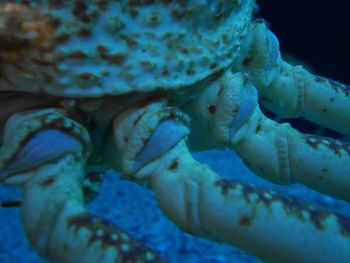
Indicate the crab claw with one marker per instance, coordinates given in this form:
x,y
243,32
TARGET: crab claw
x,y
48,164
36,152
167,134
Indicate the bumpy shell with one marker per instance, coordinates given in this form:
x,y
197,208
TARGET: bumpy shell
x,y
104,47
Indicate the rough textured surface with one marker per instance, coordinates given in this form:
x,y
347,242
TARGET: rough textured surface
x,y
70,48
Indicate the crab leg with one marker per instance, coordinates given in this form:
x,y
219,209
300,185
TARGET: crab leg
x,y
297,93
291,91
271,226
283,155
47,159
274,151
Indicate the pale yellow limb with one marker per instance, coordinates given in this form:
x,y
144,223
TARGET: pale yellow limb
x,y
61,229
266,224
53,213
291,91
269,225
295,92
283,155
274,151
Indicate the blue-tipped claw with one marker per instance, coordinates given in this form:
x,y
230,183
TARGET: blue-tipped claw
x,y
44,146
167,134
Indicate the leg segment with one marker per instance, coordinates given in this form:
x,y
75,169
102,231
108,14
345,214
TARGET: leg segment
x,y
271,226
45,153
274,151
296,92
291,91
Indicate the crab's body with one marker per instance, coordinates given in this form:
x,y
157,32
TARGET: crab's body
x,y
116,83
82,50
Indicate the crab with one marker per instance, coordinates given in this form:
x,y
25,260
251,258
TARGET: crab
x,y
131,85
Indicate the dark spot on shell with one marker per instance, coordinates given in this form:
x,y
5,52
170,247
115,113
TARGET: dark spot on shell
x,y
317,217
129,40
245,221
258,129
77,55
101,49
134,13
184,50
213,65
174,165
172,114
56,3
134,123
56,22
116,58
260,21
235,110
47,77
26,2
266,99
220,90
178,14
87,76
246,61
145,63
84,32
102,4
87,18
62,38
79,8
43,62
66,247
48,181
225,185
320,79
337,86
212,109
190,72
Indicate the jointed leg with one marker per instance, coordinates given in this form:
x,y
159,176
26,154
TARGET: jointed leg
x,y
291,91
273,227
44,153
274,151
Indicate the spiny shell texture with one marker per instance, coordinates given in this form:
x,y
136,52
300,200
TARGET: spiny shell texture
x,y
103,47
